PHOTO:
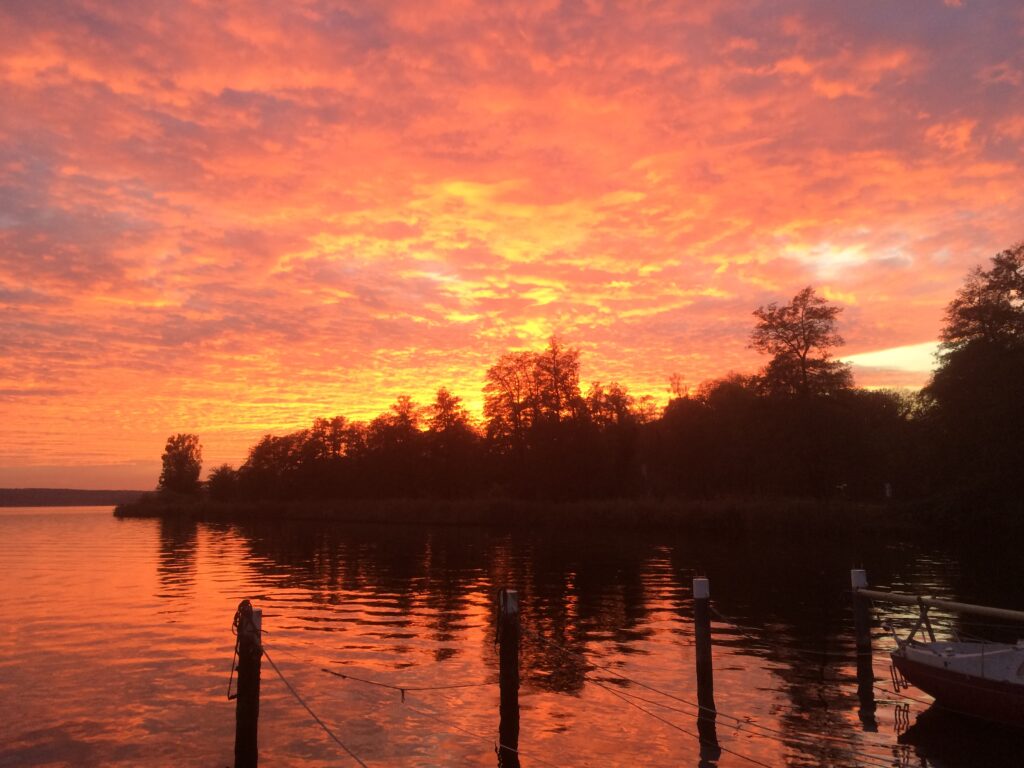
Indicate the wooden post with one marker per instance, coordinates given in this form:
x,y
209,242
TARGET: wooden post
x,y
865,666
705,672
508,677
861,610
249,624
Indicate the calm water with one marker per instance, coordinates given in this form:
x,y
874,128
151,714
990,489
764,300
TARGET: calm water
x,y
115,644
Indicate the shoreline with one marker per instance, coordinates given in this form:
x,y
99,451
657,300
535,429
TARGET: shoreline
x,y
787,517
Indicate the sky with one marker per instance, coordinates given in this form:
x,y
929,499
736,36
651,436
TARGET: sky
x,y
230,218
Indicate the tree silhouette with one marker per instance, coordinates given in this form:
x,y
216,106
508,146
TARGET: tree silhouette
x,y
610,406
182,461
398,427
556,371
222,484
510,399
800,337
976,408
545,441
329,438
452,446
271,470
447,414
990,307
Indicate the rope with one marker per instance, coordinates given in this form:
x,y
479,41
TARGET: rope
x,y
785,737
694,705
730,620
231,675
670,724
497,744
235,621
619,676
903,695
406,688
312,714
766,645
755,634
626,697
436,718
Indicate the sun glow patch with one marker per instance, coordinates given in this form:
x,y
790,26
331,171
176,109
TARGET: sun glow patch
x,y
913,357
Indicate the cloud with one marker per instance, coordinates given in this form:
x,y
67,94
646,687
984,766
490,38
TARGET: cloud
x,y
234,219
916,358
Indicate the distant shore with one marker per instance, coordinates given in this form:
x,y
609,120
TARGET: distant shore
x,y
769,516
66,497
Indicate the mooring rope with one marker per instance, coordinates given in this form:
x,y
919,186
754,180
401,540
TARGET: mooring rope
x,y
615,693
403,689
729,620
231,675
756,633
774,734
312,714
680,728
621,676
783,738
694,705
906,696
497,744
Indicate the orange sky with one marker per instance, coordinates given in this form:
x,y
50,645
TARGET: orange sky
x,y
230,218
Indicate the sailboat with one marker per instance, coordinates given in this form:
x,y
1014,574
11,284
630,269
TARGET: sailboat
x,y
976,678
973,677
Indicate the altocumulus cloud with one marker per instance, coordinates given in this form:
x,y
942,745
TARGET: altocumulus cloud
x,y
231,219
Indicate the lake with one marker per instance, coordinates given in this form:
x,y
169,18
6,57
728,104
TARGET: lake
x,y
116,644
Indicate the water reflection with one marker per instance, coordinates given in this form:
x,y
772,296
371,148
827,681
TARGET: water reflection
x,y
598,601
416,606
941,739
710,750
176,557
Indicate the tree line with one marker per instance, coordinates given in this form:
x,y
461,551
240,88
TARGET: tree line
x,y
798,427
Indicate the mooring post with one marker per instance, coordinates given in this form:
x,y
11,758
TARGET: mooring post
x,y
248,624
508,677
865,666
705,671
861,610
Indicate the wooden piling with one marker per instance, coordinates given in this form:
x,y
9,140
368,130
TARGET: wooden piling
x,y
248,624
865,665
861,610
508,677
702,637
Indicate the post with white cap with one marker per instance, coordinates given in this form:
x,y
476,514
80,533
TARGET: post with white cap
x,y
508,678
705,671
865,668
861,610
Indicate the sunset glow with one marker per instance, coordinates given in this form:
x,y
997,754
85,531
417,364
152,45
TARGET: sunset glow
x,y
228,219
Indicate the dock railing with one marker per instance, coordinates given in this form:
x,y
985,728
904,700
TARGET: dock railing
x,y
902,598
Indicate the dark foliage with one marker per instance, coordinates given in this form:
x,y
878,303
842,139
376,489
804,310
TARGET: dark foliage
x,y
544,440
975,405
800,337
797,429
182,461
